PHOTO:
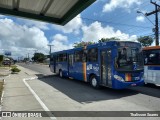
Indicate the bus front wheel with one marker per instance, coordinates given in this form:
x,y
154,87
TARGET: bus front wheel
x,y
94,82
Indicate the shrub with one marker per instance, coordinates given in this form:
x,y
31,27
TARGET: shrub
x,y
15,69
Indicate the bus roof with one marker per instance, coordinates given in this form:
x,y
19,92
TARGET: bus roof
x,y
151,48
111,43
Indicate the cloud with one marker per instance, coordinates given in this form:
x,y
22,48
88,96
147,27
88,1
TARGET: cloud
x,y
140,18
72,27
96,31
60,42
31,23
21,38
114,4
60,37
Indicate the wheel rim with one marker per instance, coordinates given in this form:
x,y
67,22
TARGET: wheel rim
x,y
60,73
94,82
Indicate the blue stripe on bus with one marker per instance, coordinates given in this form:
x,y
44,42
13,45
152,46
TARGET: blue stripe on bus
x,y
153,67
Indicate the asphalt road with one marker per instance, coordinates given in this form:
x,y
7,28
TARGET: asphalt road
x,y
65,94
43,69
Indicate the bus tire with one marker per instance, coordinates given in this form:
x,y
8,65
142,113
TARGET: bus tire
x,y
60,74
94,82
145,83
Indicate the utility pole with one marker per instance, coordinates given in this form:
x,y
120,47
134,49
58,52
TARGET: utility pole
x,y
28,56
50,49
35,51
156,29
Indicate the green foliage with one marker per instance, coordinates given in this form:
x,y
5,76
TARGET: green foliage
x,y
145,40
108,39
15,69
82,44
1,59
39,57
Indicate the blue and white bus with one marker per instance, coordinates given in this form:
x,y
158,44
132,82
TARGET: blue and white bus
x,y
114,64
152,65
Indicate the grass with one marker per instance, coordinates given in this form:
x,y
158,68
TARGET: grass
x,y
15,69
7,66
2,75
1,89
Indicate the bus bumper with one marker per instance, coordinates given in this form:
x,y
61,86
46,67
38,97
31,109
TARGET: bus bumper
x,y
123,85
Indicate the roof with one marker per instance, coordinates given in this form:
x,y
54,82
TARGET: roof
x,y
99,44
152,48
52,11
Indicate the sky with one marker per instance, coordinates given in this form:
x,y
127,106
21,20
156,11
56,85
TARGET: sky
x,y
103,19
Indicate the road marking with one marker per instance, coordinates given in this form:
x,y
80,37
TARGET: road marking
x,y
37,97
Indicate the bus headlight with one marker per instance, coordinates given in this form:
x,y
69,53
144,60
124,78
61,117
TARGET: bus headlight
x,y
118,78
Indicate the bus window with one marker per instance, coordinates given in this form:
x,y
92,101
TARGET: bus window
x,y
64,57
61,57
151,57
92,55
78,56
127,56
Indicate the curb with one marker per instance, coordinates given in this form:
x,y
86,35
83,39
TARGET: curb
x,y
2,95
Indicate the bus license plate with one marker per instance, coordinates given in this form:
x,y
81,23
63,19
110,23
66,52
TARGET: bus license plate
x,y
136,78
133,84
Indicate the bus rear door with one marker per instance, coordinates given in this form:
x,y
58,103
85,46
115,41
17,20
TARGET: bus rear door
x,y
106,61
70,65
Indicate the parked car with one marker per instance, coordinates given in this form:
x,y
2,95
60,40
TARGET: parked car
x,y
6,62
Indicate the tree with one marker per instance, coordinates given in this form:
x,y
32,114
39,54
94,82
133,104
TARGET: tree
x,y
108,39
39,57
26,59
1,59
145,40
82,44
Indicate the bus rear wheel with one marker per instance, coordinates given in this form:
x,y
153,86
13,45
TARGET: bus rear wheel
x,y
94,82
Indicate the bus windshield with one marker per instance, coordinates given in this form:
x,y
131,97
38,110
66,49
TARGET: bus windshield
x,y
151,57
129,59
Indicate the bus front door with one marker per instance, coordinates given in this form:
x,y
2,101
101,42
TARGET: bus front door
x,y
106,68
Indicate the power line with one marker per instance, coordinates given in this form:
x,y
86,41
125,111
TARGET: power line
x,y
122,24
123,16
131,27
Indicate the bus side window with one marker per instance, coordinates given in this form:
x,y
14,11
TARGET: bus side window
x,y
78,56
57,58
84,56
61,57
64,57
92,55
